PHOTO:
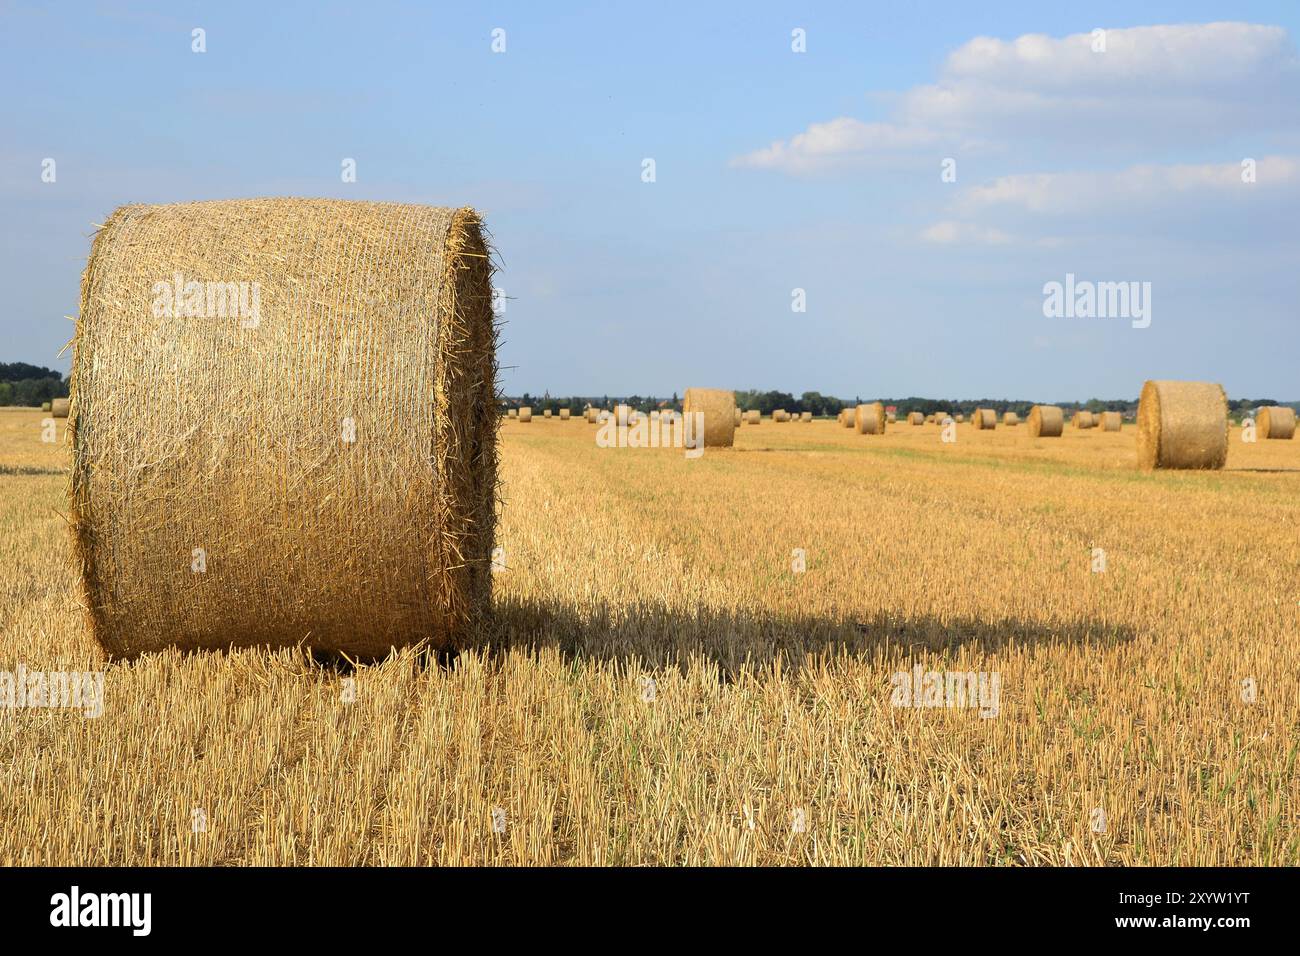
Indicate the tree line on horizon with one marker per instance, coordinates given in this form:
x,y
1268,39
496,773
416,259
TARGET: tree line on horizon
x,y
821,405
31,385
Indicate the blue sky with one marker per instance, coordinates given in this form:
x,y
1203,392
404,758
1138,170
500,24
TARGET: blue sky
x,y
775,171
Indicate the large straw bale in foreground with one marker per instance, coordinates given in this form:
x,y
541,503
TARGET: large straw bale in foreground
x,y
1182,425
1046,421
319,469
1274,421
719,408
869,419
59,407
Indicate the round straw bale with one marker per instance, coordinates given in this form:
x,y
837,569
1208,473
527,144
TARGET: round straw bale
x,y
45,406
525,413
1182,425
738,417
869,419
1010,419
622,415
848,417
1275,421
564,414
719,408
1046,421
318,469
546,413
1109,422
1081,419
512,413
959,417
805,416
891,418
59,408
916,418
753,417
989,419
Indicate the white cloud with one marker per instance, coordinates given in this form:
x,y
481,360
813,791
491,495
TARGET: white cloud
x,y
824,144
1137,186
1155,86
951,232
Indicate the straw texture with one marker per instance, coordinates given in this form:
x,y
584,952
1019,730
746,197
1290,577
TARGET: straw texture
x,y
869,419
1274,421
1046,421
1182,425
216,499
719,408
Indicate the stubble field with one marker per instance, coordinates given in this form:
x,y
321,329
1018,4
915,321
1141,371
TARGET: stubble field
x,y
659,686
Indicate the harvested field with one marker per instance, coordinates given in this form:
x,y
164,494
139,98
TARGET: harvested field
x,y
1122,690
